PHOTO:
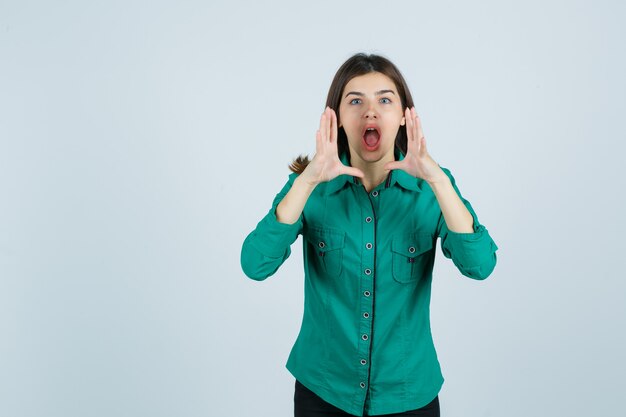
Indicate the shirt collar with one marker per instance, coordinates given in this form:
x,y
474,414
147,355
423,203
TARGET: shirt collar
x,y
397,177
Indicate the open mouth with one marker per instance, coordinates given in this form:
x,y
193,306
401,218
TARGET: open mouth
x,y
371,138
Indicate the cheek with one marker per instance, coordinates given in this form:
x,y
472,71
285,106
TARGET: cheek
x,y
347,120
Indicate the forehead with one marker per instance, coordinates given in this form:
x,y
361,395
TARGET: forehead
x,y
370,82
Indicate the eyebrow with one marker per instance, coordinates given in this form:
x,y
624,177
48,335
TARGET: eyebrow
x,y
356,93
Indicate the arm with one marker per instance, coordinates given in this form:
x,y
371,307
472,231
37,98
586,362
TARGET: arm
x,y
324,167
268,246
473,251
463,239
291,207
457,216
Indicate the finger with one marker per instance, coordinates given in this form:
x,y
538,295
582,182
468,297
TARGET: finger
x,y
415,122
323,130
423,150
328,123
333,126
409,125
418,124
318,142
416,135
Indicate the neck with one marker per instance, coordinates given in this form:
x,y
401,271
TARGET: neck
x,y
374,172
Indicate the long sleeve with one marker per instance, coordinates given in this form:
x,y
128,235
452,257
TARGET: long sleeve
x,y
266,248
474,254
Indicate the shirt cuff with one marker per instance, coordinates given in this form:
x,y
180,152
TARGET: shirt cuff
x,y
274,237
471,250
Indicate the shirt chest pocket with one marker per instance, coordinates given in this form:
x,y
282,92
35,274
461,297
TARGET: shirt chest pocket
x,y
411,256
327,247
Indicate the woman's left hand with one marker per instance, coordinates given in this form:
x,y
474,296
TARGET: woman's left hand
x,y
417,162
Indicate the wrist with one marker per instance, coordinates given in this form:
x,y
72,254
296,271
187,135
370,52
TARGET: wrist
x,y
306,182
440,182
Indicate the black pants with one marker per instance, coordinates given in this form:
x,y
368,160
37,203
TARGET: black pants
x,y
308,404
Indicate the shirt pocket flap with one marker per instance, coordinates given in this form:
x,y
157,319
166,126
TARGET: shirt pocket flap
x,y
325,239
412,244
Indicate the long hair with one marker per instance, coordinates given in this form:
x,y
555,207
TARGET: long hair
x,y
357,65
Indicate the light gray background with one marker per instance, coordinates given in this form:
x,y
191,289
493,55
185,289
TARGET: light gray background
x,y
141,141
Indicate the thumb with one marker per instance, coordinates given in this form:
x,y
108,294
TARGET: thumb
x,y
355,172
393,165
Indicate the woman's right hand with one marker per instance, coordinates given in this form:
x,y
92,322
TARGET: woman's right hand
x,y
326,164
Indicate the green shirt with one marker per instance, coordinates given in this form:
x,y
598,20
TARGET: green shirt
x,y
365,344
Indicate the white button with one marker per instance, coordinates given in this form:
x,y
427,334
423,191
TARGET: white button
x,y
368,246
363,362
362,384
412,249
374,193
368,219
364,337
367,293
321,245
366,315
368,271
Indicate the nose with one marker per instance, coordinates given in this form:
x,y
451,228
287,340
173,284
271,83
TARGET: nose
x,y
370,113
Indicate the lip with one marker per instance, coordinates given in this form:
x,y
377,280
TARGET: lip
x,y
365,145
368,126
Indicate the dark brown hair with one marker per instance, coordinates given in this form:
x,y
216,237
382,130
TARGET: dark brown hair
x,y
357,65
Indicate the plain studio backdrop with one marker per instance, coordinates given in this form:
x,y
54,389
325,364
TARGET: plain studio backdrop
x,y
140,142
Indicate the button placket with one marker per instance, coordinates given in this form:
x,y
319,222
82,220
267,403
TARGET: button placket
x,y
367,286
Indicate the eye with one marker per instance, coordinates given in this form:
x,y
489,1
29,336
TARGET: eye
x,y
355,101
385,100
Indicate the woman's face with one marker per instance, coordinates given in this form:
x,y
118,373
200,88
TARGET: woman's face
x,y
371,113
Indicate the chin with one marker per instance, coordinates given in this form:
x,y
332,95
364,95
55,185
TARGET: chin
x,y
374,156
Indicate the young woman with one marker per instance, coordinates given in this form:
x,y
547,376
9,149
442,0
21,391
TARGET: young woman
x,y
370,206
